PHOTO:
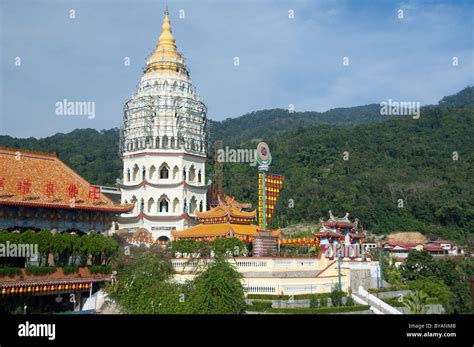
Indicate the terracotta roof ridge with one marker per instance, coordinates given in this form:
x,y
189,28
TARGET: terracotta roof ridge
x,y
28,152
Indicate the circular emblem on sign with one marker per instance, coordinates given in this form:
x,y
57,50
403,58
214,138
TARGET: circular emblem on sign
x,y
263,151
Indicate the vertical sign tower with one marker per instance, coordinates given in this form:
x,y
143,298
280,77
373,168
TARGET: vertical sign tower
x,y
269,187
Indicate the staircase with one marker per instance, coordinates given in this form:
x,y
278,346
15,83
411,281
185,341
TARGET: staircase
x,y
378,306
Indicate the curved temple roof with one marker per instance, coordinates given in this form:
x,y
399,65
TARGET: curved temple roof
x,y
38,179
227,207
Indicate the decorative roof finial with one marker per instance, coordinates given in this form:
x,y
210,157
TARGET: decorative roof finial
x,y
166,8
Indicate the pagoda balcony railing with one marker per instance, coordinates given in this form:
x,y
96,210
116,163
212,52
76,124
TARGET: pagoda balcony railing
x,y
248,264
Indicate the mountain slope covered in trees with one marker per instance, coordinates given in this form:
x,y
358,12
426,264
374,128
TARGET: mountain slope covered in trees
x,y
269,123
401,173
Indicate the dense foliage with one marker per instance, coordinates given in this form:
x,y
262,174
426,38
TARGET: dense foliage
x,y
217,290
445,279
144,285
265,124
67,249
228,246
401,173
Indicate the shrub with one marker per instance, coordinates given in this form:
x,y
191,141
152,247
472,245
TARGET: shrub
x,y
286,297
9,271
323,302
231,246
69,269
100,269
261,306
321,310
350,301
40,270
336,295
314,302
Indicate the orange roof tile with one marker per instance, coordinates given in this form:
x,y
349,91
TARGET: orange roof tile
x,y
221,229
42,180
228,207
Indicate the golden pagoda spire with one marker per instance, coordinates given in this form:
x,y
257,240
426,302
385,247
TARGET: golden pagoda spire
x,y
166,37
166,45
166,57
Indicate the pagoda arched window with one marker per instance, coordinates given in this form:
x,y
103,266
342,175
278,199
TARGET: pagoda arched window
x,y
163,205
173,144
199,176
165,141
143,173
142,205
128,175
164,172
185,206
200,206
184,173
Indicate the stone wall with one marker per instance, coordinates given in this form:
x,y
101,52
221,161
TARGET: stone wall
x,y
362,278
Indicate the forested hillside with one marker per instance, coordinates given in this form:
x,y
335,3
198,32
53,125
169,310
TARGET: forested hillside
x,y
426,162
269,123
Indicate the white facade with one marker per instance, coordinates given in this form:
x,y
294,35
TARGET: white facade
x,y
164,145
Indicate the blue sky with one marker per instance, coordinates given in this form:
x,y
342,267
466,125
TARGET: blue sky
x,y
282,61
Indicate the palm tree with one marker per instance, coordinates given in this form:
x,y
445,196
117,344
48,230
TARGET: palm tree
x,y
416,302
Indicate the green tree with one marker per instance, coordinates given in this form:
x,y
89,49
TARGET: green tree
x,y
416,302
227,246
418,264
336,295
143,284
435,288
217,290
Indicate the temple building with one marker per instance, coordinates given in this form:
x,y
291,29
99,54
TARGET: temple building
x,y
163,145
338,230
228,219
39,192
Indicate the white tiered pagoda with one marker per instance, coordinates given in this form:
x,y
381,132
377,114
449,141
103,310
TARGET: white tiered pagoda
x,y
163,144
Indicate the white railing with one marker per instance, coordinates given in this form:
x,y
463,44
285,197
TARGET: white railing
x,y
376,302
249,264
289,288
260,289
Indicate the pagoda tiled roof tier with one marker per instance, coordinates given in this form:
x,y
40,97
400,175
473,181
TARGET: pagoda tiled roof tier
x,y
38,179
328,234
339,222
227,210
220,230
